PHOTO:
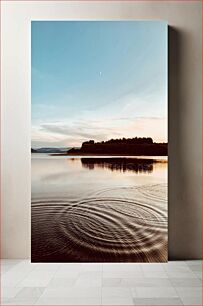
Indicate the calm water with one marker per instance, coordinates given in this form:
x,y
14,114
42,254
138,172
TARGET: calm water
x,y
99,209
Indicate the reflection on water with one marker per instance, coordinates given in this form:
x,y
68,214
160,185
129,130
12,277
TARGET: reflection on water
x,y
122,164
80,215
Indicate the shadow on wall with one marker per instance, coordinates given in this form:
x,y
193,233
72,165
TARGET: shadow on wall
x,y
184,226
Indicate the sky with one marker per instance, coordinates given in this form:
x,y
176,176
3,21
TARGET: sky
x,y
98,80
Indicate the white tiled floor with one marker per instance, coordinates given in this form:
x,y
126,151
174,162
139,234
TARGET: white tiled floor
x,y
173,283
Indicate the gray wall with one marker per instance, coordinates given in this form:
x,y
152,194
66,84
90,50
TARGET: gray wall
x,y
184,19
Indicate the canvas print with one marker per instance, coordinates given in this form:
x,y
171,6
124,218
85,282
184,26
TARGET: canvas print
x,y
99,141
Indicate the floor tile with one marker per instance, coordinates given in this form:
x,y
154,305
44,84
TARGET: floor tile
x,y
122,274
192,301
117,301
157,301
157,274
198,274
116,292
146,282
90,274
12,261
73,292
154,292
71,267
196,268
16,274
193,262
21,301
9,292
178,274
91,267
89,279
89,282
122,267
37,279
175,263
112,282
176,268
185,282
69,301
4,301
45,267
172,283
61,282
68,273
6,268
30,292
152,267
189,291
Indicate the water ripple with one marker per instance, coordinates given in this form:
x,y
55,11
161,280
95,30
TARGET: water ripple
x,y
125,224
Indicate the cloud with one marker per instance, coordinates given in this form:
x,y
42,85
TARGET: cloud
x,y
74,133
80,130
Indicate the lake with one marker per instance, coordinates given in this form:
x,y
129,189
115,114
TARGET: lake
x,y
99,209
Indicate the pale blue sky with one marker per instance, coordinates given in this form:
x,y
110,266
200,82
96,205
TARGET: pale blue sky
x,y
98,80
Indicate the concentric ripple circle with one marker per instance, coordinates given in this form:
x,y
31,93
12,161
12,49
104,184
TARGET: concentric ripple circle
x,y
121,224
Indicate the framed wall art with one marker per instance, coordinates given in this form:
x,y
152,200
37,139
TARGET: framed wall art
x,y
99,141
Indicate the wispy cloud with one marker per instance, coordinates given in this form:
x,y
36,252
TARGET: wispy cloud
x,y
75,133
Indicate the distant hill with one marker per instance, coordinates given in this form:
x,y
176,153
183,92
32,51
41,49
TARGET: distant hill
x,y
125,146
33,150
50,150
